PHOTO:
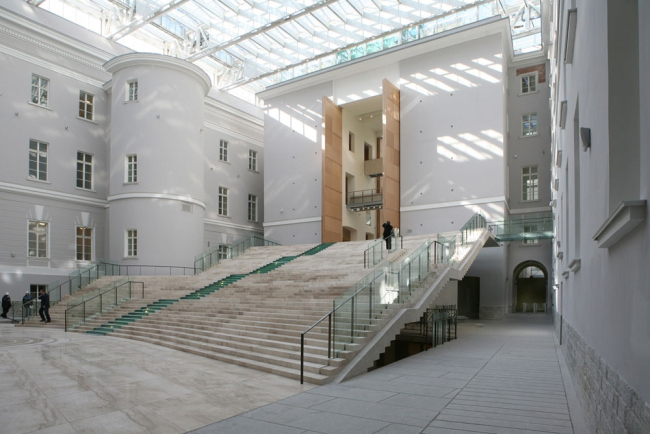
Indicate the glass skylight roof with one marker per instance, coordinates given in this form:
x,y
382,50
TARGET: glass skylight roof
x,y
247,45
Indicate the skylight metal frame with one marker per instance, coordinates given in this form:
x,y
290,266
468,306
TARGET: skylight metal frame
x,y
261,42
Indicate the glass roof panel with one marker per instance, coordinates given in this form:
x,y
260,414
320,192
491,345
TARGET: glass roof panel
x,y
246,45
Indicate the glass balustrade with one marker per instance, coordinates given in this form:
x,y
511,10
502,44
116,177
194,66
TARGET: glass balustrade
x,y
357,309
215,255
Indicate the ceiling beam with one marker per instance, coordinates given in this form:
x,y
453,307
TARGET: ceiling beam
x,y
269,26
143,21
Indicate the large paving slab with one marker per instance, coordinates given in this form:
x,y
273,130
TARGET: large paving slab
x,y
498,377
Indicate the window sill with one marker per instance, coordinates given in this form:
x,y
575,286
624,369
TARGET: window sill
x,y
38,180
254,171
129,257
86,189
627,215
130,101
129,183
223,216
224,161
528,93
529,136
531,245
530,201
575,265
87,120
40,106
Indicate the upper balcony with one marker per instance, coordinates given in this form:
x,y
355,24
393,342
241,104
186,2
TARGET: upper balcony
x,y
364,200
374,168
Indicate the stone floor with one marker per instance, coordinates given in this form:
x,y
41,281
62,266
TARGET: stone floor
x,y
498,377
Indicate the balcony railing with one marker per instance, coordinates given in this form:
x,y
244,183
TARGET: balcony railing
x,y
364,199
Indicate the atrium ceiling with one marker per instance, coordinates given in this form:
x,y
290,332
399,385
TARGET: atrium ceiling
x,y
247,45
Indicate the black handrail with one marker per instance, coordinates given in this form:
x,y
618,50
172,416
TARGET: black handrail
x,y
130,283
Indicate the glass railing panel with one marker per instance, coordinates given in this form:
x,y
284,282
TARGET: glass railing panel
x,y
92,307
74,315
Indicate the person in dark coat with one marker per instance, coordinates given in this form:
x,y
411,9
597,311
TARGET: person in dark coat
x,y
44,311
6,305
388,234
26,305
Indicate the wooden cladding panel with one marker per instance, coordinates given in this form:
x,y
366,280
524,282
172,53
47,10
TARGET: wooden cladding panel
x,y
391,153
332,217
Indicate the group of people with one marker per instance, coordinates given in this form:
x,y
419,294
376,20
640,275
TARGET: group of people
x,y
44,311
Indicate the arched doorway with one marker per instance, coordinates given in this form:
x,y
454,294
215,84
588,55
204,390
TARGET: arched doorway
x,y
530,286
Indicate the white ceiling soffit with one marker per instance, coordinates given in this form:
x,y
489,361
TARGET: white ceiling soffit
x,y
246,45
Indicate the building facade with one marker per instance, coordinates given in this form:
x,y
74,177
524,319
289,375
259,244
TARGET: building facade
x,y
116,155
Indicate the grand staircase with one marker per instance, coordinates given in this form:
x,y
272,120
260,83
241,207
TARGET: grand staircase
x,y
252,310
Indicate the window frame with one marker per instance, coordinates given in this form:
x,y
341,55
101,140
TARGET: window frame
x,y
223,150
84,104
222,252
85,173
252,160
534,188
528,132
521,77
38,161
252,206
31,231
222,207
39,89
131,243
86,256
131,169
132,88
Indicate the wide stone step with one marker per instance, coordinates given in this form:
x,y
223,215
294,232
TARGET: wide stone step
x,y
309,377
252,354
259,346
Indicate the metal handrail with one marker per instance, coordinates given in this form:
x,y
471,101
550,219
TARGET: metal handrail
x,y
130,283
463,238
373,245
233,251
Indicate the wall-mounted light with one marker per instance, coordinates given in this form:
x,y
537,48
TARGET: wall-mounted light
x,y
585,135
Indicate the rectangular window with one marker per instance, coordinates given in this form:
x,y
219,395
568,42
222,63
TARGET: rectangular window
x,y
223,252
86,104
223,150
34,290
529,83
37,239
132,90
84,171
223,201
84,244
131,243
530,183
38,160
252,160
529,124
529,232
40,90
252,208
131,169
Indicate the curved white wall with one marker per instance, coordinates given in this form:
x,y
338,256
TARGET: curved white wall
x,y
164,129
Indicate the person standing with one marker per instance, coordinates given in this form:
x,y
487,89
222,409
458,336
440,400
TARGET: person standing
x,y
388,234
44,311
6,305
26,303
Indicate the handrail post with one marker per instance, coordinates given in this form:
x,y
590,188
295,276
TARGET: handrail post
x,y
352,319
302,357
329,336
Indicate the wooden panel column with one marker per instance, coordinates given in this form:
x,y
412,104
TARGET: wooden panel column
x,y
390,153
332,217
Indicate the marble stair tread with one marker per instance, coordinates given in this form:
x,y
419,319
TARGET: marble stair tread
x,y
253,350
222,351
264,367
